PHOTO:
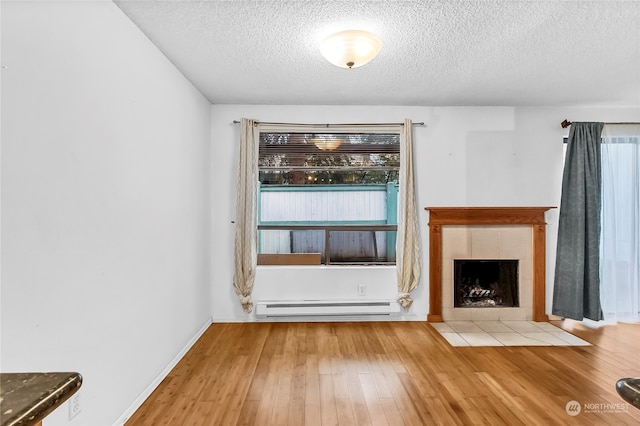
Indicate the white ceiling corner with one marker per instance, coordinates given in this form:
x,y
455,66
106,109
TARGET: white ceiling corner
x,y
508,52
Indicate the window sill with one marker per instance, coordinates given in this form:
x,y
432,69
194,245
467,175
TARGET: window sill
x,y
331,266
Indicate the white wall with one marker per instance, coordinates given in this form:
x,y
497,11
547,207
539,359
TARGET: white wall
x,y
105,203
108,189
464,156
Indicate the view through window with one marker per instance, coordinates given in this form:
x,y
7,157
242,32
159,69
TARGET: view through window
x,y
334,194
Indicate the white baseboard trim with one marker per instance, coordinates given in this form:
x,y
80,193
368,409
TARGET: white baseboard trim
x,y
244,318
413,317
154,384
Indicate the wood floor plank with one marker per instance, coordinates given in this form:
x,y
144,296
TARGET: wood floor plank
x,y
344,411
296,412
420,403
407,408
392,412
328,410
390,373
312,392
371,398
356,396
340,387
248,414
381,385
269,394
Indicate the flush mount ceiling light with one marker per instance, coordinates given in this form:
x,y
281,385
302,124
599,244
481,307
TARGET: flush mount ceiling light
x,y
351,48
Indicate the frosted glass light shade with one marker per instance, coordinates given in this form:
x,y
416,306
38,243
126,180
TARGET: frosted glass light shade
x,y
351,48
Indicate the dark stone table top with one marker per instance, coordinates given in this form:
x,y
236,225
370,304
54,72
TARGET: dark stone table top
x,y
629,390
26,398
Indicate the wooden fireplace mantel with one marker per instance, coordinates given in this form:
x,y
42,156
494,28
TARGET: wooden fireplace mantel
x,y
443,216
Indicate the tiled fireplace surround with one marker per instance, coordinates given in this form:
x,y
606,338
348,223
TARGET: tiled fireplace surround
x,y
487,233
487,242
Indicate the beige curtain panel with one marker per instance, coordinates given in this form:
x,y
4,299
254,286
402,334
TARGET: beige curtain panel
x,y
408,239
246,256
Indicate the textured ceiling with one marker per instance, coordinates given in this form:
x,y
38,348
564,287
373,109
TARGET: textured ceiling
x,y
520,53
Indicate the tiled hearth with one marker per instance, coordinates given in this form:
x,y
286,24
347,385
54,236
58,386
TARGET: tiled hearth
x,y
505,333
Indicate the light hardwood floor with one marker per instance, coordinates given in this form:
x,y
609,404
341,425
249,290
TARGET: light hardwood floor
x,y
391,373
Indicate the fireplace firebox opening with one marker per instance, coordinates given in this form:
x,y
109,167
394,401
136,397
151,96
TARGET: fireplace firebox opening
x,y
484,283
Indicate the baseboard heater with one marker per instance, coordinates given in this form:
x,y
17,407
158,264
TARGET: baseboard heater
x,y
315,308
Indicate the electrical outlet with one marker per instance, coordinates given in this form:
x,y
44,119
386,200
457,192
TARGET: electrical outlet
x,y
74,405
362,289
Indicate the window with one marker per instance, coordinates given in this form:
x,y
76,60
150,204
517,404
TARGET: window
x,y
332,194
620,222
620,236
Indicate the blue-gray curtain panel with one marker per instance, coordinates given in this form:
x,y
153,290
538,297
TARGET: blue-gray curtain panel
x,y
576,292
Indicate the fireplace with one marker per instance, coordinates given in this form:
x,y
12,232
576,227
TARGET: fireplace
x,y
470,243
486,283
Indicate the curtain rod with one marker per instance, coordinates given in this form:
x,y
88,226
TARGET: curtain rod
x,y
567,123
334,124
